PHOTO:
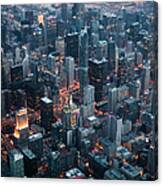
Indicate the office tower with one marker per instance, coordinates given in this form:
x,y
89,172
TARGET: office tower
x,y
38,37
21,129
78,9
51,62
112,99
102,33
139,58
18,99
98,165
88,95
83,59
94,38
29,16
5,73
36,144
25,31
30,162
116,128
70,115
98,77
50,29
25,63
131,109
16,163
54,163
152,162
69,68
17,73
46,107
6,100
129,47
135,89
64,12
102,50
17,55
147,120
83,78
146,76
35,91
41,31
71,138
111,55
83,48
123,92
126,127
60,45
87,107
72,45
61,28
57,132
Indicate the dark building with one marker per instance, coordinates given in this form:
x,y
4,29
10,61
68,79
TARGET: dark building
x,y
17,73
72,45
36,144
46,107
111,55
57,132
30,163
98,76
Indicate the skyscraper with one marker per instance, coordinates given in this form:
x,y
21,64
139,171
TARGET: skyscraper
x,y
21,129
46,108
36,144
72,45
83,59
102,50
112,99
116,128
16,163
98,76
30,162
69,68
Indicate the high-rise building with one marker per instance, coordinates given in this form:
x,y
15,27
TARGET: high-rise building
x,y
72,45
135,89
116,128
25,63
83,59
111,54
46,108
146,76
69,68
98,77
30,162
54,163
112,99
17,73
21,129
102,50
36,144
16,163
87,107
57,132
70,115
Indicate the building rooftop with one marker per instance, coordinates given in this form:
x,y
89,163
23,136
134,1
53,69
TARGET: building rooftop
x,y
46,100
15,154
130,171
74,173
27,152
35,136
